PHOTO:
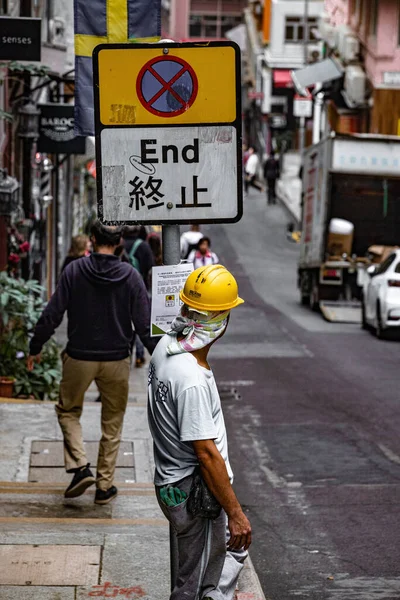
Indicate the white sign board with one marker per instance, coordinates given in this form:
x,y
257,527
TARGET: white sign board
x,y
167,282
169,174
302,107
391,78
361,156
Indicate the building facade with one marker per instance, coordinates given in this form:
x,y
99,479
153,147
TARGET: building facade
x,y
200,19
281,36
47,186
364,35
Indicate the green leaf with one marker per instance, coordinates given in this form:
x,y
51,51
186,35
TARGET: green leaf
x,y
6,116
47,378
5,296
54,373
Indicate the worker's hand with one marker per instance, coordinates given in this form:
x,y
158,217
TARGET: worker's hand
x,y
240,530
31,360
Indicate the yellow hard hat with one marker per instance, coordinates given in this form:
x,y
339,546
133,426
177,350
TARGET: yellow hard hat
x,y
211,288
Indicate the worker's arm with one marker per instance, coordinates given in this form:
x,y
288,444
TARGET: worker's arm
x,y
213,470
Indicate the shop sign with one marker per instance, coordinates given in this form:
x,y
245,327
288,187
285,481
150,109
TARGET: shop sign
x,y
57,130
20,39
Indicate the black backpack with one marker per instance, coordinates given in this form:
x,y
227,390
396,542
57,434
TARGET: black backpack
x,y
271,169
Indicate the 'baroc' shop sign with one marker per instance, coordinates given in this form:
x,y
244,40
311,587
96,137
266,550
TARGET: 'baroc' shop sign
x,y
20,39
57,130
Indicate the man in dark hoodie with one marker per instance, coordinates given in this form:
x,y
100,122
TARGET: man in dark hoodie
x,y
102,297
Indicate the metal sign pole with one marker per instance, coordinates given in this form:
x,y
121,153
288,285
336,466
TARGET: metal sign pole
x,y
172,256
171,244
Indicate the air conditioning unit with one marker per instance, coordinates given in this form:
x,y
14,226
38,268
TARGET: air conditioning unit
x,y
57,31
314,54
355,83
328,33
342,31
350,49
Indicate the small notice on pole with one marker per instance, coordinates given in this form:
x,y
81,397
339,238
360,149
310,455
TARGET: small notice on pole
x,y
167,282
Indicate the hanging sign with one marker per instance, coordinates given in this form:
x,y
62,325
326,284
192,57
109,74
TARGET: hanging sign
x,y
168,133
302,107
56,130
20,39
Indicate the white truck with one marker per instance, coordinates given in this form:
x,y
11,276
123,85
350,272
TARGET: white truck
x,y
355,178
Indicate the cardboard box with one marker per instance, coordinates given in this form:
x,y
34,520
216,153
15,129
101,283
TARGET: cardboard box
x,y
380,253
339,244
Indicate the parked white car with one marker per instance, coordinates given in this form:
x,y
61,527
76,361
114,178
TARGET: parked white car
x,y
381,296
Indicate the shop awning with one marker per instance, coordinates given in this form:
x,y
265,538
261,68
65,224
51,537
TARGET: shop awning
x,y
282,79
320,72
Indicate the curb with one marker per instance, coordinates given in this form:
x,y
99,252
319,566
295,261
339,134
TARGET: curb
x,y
282,197
249,587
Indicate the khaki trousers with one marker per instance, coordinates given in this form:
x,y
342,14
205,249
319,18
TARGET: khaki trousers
x,y
112,379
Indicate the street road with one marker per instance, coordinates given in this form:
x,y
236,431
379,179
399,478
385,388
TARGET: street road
x,y
314,435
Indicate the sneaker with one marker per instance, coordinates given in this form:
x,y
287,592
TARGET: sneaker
x,y
140,362
104,497
82,479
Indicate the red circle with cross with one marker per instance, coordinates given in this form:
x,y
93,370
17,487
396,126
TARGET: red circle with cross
x,y
174,102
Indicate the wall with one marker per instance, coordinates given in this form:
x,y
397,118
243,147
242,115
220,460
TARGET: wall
x,y
383,51
288,55
339,11
385,115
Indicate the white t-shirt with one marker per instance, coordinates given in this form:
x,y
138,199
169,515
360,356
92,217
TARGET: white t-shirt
x,y
251,166
199,260
184,406
189,238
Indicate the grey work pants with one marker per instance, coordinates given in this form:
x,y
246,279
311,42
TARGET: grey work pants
x,y
206,568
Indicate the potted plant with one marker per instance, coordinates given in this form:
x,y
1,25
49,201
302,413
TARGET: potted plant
x,y
6,386
20,307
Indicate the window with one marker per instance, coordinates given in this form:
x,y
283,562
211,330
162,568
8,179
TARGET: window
x,y
212,26
373,24
385,265
294,29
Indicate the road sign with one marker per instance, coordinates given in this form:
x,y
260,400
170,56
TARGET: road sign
x,y
168,133
302,107
167,87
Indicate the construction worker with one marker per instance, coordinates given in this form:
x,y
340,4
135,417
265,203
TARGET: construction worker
x,y
193,477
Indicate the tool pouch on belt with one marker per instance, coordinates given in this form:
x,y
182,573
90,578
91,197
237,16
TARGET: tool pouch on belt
x,y
201,502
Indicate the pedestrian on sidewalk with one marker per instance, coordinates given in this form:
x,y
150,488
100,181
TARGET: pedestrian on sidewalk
x,y
102,297
202,256
193,477
190,239
80,246
271,174
251,171
141,258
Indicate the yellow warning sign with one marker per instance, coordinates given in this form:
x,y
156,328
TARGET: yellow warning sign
x,y
167,85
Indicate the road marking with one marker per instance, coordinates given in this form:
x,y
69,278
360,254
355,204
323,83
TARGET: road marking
x,y
60,491
87,521
392,456
238,382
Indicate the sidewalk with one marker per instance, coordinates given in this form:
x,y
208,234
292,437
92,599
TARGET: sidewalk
x,y
289,186
57,549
